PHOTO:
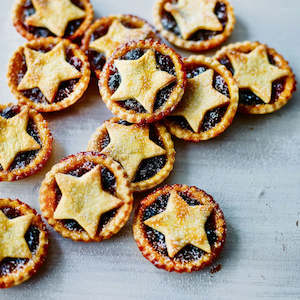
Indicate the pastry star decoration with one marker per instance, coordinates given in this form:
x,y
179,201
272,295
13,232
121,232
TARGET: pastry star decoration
x,y
47,70
129,145
254,71
12,241
141,80
199,98
192,15
14,138
117,35
54,15
84,200
182,224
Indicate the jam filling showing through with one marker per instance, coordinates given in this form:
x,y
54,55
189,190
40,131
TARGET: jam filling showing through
x,y
170,24
246,96
32,237
108,182
28,10
24,158
164,63
157,239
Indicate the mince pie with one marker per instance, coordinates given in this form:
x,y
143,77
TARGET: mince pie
x,y
23,242
52,18
265,79
25,142
142,81
48,74
86,197
105,35
209,102
146,152
179,228
194,25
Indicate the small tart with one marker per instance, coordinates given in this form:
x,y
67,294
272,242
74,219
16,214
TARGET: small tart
x,y
23,242
179,228
142,81
48,74
194,25
266,81
25,142
108,33
209,103
103,185
146,152
52,18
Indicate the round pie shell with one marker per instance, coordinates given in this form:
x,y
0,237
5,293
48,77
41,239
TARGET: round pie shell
x,y
38,258
174,98
48,196
43,155
164,262
194,45
18,23
290,84
161,175
79,89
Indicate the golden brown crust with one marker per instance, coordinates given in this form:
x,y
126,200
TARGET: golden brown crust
x,y
48,201
188,44
165,262
38,258
159,177
43,155
174,98
19,23
290,84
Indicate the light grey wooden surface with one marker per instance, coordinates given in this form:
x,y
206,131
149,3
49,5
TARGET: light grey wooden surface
x,y
253,171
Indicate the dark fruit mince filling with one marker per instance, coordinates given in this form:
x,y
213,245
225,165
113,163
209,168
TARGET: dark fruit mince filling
x,y
108,182
32,238
170,24
157,239
25,158
164,63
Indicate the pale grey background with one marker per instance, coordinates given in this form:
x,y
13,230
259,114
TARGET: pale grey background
x,y
252,171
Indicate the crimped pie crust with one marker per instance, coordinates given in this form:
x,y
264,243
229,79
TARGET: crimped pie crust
x,y
161,175
48,196
38,258
193,45
165,262
79,89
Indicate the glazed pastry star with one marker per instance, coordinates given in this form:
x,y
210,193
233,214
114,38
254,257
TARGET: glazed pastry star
x,y
199,98
254,71
12,241
141,80
54,15
129,145
192,15
84,200
14,138
47,70
182,224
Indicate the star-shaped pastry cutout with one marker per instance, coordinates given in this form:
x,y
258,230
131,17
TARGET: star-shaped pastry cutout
x,y
193,15
12,232
117,35
84,200
141,80
14,138
54,15
199,98
129,145
254,71
47,70
182,224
